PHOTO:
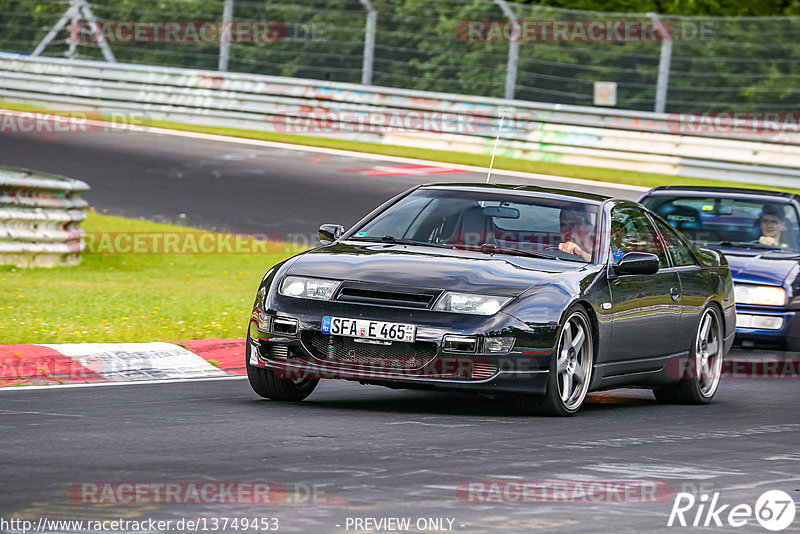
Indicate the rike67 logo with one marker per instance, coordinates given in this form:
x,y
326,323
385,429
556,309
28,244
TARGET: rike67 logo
x,y
774,510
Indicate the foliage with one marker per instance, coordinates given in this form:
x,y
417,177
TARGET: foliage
x,y
717,63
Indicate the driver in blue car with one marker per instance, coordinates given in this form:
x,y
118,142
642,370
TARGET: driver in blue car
x,y
576,232
773,224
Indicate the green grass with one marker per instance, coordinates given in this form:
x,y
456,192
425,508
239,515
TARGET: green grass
x,y
133,297
460,158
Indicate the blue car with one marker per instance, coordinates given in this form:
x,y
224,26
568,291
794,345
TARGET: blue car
x,y
759,234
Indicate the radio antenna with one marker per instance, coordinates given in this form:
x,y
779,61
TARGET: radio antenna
x,y
494,150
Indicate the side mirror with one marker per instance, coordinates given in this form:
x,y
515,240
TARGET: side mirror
x,y
328,233
637,263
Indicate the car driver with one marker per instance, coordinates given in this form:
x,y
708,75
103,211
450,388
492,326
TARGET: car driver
x,y
576,232
773,223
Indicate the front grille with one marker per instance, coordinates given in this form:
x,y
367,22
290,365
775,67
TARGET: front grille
x,y
346,351
382,295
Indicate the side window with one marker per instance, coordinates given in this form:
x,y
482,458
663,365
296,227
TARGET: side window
x,y
679,253
631,231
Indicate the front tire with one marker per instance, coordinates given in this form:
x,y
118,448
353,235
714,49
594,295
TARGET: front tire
x,y
266,384
705,365
570,370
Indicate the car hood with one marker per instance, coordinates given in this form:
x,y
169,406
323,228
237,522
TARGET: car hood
x,y
429,267
759,270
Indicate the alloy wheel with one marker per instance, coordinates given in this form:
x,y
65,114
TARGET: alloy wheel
x,y
574,363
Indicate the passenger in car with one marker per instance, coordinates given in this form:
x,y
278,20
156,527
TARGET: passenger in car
x,y
773,223
577,232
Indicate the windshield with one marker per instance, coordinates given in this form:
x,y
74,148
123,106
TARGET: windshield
x,y
738,222
491,222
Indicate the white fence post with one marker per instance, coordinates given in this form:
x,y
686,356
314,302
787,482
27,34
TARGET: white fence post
x,y
73,14
663,63
108,55
513,50
224,42
70,14
369,43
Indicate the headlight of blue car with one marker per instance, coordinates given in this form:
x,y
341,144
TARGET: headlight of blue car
x,y
759,295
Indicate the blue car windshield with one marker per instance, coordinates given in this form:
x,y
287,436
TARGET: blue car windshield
x,y
492,222
738,222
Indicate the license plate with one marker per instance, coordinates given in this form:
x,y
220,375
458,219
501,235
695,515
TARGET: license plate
x,y
365,329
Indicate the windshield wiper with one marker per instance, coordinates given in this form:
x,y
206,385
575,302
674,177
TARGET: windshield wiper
x,y
487,248
398,241
784,254
739,244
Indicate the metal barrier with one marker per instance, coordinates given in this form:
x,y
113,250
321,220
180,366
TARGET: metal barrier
x,y
40,216
587,136
457,46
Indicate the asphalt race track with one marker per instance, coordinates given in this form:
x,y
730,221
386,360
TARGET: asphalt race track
x,y
350,452
222,185
373,452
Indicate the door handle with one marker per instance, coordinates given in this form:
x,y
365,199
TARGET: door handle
x,y
675,292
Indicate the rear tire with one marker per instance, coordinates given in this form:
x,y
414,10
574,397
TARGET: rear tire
x,y
705,365
570,370
266,384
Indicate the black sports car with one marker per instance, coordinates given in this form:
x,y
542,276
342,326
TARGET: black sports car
x,y
540,294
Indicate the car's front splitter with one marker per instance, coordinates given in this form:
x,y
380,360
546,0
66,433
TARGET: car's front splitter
x,y
516,372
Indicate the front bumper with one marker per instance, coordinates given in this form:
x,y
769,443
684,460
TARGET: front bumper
x,y
425,366
532,381
786,337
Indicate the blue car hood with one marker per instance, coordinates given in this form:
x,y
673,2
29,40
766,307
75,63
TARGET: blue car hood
x,y
759,270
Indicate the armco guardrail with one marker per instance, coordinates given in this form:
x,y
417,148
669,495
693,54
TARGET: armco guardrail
x,y
596,137
40,216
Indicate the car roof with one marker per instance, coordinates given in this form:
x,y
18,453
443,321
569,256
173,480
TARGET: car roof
x,y
722,191
531,190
